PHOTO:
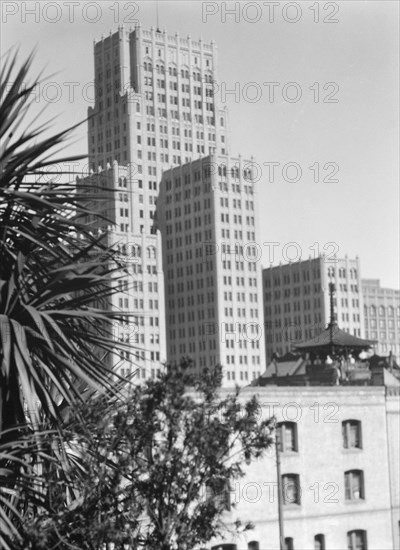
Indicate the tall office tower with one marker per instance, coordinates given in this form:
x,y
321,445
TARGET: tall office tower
x,y
141,288
382,316
213,283
296,300
154,107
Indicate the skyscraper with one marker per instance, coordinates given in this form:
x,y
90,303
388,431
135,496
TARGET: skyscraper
x,y
154,108
213,279
296,300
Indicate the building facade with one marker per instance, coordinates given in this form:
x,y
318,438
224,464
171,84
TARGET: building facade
x,y
154,108
345,500
382,316
296,300
206,211
141,284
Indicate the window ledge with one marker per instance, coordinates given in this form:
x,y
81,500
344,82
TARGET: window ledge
x,y
357,501
292,506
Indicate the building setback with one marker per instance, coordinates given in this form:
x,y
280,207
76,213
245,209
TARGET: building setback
x,y
154,107
296,300
382,316
206,212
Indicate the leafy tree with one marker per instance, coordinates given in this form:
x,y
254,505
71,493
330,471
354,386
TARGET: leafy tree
x,y
158,466
52,272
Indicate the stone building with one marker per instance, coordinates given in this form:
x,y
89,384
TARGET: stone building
x,y
339,465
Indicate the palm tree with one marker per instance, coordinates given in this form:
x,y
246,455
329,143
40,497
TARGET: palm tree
x,y
52,273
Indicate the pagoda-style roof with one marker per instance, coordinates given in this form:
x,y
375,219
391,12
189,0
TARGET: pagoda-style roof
x,y
334,339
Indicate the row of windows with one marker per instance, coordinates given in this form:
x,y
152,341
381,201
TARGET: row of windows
x,y
172,70
354,487
293,277
342,273
127,371
382,311
296,291
244,375
135,251
237,203
288,437
372,323
356,540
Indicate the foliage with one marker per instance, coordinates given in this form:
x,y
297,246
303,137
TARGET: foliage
x,y
157,466
52,273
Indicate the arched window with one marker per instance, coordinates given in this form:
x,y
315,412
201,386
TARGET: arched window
x,y
372,311
381,311
253,545
319,542
289,545
151,252
357,540
390,311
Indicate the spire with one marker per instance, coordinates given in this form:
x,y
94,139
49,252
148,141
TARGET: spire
x,y
332,289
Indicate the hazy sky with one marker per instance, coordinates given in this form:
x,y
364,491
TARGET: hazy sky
x,y
357,131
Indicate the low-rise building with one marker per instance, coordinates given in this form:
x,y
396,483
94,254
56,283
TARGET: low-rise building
x,y
339,471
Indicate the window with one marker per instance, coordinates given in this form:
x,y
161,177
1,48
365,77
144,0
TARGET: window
x,y
288,543
372,311
357,540
291,489
351,432
287,437
253,545
319,542
224,547
354,484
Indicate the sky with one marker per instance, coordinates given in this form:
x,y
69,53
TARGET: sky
x,y
306,84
